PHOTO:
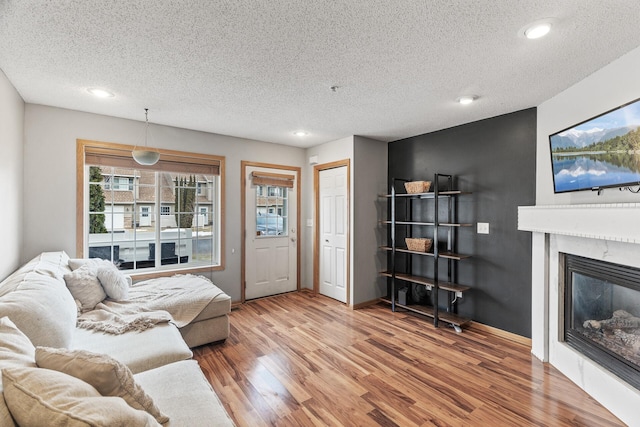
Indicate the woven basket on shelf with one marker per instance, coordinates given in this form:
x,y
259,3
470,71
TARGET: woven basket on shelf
x,y
415,187
418,244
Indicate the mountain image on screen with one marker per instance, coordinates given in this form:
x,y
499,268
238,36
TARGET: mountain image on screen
x,y
580,139
601,152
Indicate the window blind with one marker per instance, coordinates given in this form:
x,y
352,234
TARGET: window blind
x,y
120,156
275,179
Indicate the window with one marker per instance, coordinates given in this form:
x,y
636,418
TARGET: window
x,y
272,202
275,191
271,211
118,183
150,218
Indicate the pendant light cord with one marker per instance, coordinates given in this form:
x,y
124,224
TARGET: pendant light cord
x,y
146,129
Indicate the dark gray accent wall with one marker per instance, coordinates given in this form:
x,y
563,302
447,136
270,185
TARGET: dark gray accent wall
x,y
495,159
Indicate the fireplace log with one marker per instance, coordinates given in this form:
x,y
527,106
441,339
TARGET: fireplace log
x,y
621,320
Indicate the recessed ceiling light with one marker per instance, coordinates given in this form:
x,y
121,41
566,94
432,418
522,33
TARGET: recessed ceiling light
x,y
464,100
537,29
100,93
300,133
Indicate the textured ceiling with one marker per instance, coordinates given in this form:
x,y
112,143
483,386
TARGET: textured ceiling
x,y
264,69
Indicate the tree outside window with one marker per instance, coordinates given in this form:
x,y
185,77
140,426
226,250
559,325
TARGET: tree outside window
x,y
96,202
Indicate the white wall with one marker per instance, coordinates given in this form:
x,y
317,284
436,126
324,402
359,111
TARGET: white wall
x,y
607,88
370,180
11,170
50,179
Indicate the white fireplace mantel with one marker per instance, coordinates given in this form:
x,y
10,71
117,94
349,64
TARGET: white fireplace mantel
x,y
608,221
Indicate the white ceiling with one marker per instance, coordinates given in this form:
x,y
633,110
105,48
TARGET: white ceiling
x,y
264,69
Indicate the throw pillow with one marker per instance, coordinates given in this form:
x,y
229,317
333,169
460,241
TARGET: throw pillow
x,y
104,373
15,347
115,283
85,287
15,350
38,397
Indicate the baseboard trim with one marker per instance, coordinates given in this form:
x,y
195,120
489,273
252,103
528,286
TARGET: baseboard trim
x,y
365,304
480,327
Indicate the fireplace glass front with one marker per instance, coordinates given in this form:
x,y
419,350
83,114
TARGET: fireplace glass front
x,y
602,314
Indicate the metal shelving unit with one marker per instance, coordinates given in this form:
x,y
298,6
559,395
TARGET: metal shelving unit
x,y
444,249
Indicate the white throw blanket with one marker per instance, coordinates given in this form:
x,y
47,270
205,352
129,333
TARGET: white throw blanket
x,y
119,317
178,299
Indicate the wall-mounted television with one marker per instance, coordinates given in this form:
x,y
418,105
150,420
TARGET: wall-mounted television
x,y
601,152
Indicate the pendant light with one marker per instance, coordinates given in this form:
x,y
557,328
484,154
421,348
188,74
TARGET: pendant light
x,y
144,155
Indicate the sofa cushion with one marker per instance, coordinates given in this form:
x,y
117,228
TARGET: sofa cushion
x,y
206,331
219,306
52,264
182,392
15,350
76,263
38,397
36,299
140,351
85,287
104,373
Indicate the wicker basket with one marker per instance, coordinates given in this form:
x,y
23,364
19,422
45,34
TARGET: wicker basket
x,y
415,187
418,244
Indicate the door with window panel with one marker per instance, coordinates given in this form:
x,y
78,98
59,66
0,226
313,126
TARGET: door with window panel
x,y
270,232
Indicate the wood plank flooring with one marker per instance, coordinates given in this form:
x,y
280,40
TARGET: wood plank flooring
x,y
301,359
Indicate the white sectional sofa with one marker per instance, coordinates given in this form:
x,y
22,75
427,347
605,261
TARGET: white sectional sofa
x,y
35,301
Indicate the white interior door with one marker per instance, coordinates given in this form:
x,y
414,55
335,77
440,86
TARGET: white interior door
x,y
271,236
333,232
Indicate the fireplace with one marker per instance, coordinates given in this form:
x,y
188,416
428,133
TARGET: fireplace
x,y
602,314
601,232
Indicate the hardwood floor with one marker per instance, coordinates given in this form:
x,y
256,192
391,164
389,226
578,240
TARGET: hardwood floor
x,y
304,360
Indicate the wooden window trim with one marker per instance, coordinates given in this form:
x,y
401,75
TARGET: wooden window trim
x,y
120,150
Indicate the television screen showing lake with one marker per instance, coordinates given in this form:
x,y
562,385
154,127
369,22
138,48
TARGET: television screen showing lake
x,y
603,151
594,170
